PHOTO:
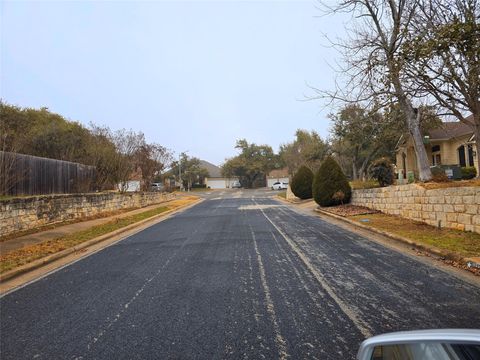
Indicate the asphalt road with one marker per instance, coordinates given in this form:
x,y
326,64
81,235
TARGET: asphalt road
x,y
238,276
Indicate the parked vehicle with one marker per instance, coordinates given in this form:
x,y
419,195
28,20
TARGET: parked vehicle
x,y
236,185
156,187
445,344
280,185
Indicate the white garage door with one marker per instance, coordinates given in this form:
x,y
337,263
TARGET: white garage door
x,y
216,184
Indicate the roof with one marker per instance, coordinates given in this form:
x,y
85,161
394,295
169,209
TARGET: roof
x,y
278,173
450,130
213,170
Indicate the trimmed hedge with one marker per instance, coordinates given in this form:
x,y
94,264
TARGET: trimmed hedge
x,y
468,172
330,185
301,183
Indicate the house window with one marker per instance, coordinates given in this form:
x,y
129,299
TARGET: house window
x,y
470,156
461,156
436,159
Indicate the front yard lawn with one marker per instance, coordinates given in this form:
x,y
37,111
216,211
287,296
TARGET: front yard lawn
x,y
463,243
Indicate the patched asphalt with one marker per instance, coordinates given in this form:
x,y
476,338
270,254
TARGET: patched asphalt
x,y
238,276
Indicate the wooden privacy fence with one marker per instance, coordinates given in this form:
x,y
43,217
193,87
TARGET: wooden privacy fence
x,y
31,175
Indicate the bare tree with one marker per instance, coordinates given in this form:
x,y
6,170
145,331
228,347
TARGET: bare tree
x,y
444,58
375,66
152,159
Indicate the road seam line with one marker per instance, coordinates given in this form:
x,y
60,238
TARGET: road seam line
x,y
359,323
279,340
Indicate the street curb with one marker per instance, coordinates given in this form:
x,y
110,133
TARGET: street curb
x,y
427,249
294,202
9,275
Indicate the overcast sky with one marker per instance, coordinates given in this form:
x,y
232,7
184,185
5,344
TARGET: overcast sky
x,y
192,75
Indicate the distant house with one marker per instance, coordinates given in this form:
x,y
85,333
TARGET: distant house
x,y
215,180
134,182
277,175
451,144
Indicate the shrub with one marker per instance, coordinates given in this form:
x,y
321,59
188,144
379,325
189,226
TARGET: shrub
x,y
301,183
438,174
382,171
468,172
330,185
199,186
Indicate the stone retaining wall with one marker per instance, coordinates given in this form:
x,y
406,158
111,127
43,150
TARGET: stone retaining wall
x,y
28,213
456,207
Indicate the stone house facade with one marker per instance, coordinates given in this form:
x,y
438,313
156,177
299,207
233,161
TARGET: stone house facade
x,y
452,144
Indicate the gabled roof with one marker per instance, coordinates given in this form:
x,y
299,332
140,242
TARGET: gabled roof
x,y
450,130
278,173
213,170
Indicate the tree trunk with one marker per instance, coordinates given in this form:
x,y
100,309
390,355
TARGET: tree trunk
x,y
424,172
354,165
476,131
354,169
413,125
363,168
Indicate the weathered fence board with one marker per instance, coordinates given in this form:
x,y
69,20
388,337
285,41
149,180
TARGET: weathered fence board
x,y
32,175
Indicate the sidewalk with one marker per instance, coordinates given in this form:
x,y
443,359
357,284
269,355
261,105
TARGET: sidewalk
x,y
63,230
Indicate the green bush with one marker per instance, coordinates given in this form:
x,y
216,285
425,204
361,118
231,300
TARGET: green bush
x,y
330,185
382,171
301,183
468,172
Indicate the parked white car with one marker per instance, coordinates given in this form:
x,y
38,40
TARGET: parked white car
x,y
279,185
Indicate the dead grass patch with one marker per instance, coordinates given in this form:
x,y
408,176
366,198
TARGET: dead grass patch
x,y
367,184
67,222
450,184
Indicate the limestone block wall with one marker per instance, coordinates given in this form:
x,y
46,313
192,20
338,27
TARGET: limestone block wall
x,y
28,213
456,207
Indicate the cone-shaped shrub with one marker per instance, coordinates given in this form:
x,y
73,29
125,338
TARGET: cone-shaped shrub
x,y
301,183
330,185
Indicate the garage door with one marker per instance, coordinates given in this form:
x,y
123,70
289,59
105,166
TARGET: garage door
x,y
216,184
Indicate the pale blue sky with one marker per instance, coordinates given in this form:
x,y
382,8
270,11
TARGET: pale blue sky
x,y
192,75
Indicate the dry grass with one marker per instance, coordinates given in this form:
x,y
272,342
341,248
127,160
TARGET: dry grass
x,y
460,242
68,222
450,184
30,253
282,194
368,184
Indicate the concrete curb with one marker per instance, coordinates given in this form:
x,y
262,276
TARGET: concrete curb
x,y
61,254
294,202
430,250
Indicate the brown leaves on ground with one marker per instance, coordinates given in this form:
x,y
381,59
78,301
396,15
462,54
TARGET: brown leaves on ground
x,y
349,210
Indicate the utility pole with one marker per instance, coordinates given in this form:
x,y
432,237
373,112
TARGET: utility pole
x,y
180,170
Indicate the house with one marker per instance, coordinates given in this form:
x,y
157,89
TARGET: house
x,y
451,144
277,175
215,180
